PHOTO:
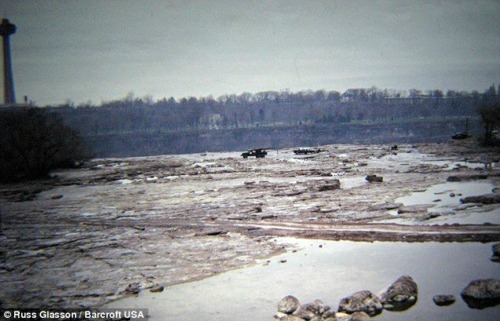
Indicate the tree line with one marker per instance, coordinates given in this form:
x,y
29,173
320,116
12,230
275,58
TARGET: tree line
x,y
34,141
269,108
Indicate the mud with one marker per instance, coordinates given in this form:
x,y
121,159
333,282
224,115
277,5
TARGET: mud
x,y
85,236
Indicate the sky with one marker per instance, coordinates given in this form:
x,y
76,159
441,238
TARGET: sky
x,y
100,50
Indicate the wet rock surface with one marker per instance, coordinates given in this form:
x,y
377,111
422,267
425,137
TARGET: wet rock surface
x,y
479,294
119,226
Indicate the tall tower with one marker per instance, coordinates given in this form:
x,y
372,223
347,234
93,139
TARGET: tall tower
x,y
6,29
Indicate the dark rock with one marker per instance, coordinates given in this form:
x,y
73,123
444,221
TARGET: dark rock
x,y
443,299
211,233
364,301
288,304
401,295
462,178
132,288
374,179
329,185
304,313
479,294
314,311
496,253
482,199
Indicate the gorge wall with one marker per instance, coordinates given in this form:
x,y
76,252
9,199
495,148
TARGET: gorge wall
x,y
181,142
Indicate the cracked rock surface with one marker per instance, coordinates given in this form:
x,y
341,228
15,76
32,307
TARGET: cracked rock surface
x,y
119,226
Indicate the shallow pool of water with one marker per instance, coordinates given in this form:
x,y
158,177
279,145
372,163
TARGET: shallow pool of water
x,y
445,202
447,194
329,270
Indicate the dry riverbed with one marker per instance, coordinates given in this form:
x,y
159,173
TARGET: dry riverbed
x,y
118,226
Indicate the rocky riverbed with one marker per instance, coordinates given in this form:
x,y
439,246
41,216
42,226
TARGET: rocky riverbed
x,y
119,226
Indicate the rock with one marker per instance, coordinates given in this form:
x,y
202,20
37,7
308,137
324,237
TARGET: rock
x,y
414,209
440,211
314,311
341,316
374,178
288,304
462,178
496,253
215,232
291,318
360,316
132,288
386,206
317,307
157,288
328,185
482,199
401,295
304,313
479,294
443,299
364,301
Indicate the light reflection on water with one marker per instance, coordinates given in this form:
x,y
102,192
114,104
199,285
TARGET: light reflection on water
x,y
328,273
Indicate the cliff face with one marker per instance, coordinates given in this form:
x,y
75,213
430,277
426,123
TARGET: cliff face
x,y
142,144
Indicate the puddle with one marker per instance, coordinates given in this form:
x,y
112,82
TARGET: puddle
x,y
491,217
407,159
447,194
328,273
445,199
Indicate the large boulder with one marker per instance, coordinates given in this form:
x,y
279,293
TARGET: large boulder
x,y
479,294
288,304
374,178
400,295
362,301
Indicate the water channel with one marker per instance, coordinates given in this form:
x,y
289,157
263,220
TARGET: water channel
x,y
330,270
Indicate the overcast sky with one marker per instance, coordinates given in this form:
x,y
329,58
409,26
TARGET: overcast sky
x,y
100,50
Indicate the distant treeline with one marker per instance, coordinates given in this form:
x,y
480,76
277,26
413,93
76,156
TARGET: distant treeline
x,y
270,109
